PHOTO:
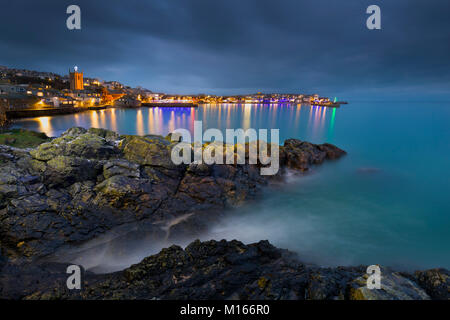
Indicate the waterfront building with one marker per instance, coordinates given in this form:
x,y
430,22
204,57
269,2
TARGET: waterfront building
x,y
6,89
127,101
76,80
85,97
112,85
109,96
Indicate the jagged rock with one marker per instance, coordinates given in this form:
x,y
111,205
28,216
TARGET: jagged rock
x,y
121,190
64,170
210,270
3,260
330,283
10,183
85,145
45,152
199,169
332,152
85,182
51,275
436,282
121,167
301,155
148,150
75,131
174,137
394,286
108,135
80,185
37,166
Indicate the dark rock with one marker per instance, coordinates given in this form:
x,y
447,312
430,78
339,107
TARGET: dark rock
x,y
211,270
75,131
148,150
332,152
52,277
121,167
75,188
436,283
302,155
394,286
121,191
108,135
3,260
80,185
64,170
85,145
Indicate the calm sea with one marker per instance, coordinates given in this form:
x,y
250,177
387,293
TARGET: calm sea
x,y
386,202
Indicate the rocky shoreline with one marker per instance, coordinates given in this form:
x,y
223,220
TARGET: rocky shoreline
x,y
81,185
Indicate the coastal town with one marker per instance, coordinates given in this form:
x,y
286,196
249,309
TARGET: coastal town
x,y
34,93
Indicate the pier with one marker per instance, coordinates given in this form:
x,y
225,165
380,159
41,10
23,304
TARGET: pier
x,y
324,104
50,111
170,105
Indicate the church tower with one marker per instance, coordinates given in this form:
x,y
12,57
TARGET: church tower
x,y
76,79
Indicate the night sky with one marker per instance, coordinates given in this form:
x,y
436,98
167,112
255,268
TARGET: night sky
x,y
240,46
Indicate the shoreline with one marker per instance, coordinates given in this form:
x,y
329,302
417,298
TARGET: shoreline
x,y
44,112
75,188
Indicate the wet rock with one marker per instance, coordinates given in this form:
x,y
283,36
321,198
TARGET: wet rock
x,y
174,137
120,191
211,270
51,275
121,167
75,131
332,152
148,150
201,169
207,270
3,260
302,155
394,286
29,179
219,270
10,185
82,191
108,135
84,145
89,146
85,182
45,152
37,166
436,283
330,283
64,171
80,185
7,178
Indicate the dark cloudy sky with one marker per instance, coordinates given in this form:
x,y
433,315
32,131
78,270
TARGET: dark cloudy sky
x,y
239,46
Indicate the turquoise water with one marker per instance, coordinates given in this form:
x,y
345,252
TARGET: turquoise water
x,y
386,202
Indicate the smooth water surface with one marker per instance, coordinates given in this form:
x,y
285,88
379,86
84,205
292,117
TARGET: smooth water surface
x,y
386,202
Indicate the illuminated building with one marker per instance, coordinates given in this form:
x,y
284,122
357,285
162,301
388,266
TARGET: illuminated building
x,y
76,80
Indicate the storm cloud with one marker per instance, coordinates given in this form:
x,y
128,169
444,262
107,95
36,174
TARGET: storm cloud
x,y
234,47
